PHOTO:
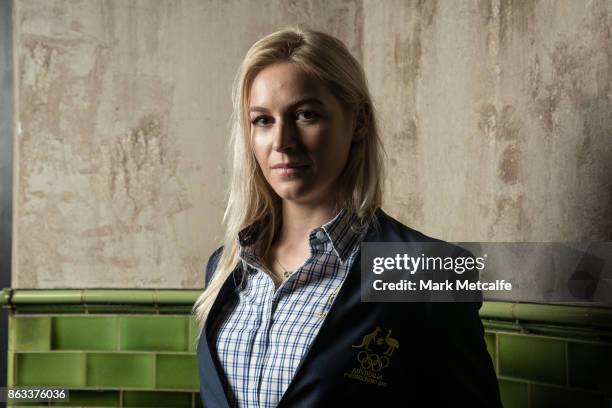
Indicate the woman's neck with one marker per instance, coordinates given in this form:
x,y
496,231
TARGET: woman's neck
x,y
299,220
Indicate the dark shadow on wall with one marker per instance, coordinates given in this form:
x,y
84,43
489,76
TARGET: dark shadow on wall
x,y
6,170
595,159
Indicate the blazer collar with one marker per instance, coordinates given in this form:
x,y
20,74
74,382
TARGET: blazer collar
x,y
212,369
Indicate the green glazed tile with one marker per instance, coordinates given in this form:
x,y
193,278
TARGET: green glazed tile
x,y
120,370
49,309
491,347
157,399
30,333
93,398
590,366
513,394
532,358
50,369
177,371
153,333
84,333
557,397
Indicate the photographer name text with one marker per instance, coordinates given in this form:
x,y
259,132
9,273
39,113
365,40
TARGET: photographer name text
x,y
407,285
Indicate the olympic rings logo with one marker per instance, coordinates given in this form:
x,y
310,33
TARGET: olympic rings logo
x,y
372,361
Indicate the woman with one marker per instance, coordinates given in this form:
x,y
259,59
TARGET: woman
x,y
281,316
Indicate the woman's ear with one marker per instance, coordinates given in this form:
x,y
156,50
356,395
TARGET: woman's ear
x,y
362,122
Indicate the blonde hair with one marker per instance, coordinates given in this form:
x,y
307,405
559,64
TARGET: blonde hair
x,y
250,198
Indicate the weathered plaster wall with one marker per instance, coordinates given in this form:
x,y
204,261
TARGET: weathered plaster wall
x,y
496,116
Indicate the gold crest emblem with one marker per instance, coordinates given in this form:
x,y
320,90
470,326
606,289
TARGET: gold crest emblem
x,y
374,356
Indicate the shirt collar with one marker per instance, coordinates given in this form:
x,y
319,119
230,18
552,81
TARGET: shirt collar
x,y
338,230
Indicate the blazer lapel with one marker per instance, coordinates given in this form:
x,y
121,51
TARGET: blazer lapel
x,y
210,375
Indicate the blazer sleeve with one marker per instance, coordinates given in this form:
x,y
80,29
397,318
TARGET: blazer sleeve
x,y
466,374
211,266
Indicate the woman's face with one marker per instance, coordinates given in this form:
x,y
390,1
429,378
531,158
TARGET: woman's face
x,y
296,121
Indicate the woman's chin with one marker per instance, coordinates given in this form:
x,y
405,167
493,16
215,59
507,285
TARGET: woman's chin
x,y
301,196
295,196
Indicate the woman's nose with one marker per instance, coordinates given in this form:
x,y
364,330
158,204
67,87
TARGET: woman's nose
x,y
285,135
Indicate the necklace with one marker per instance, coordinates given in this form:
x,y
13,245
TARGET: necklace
x,y
285,271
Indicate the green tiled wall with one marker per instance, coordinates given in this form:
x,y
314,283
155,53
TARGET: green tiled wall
x,y
532,357
145,360
545,371
107,360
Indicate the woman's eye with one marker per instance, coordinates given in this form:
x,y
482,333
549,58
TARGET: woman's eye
x,y
308,116
303,115
258,121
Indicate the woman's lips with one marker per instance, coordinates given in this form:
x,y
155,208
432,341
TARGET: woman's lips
x,y
290,170
289,164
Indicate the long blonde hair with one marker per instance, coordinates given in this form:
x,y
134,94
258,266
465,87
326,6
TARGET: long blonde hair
x,y
250,198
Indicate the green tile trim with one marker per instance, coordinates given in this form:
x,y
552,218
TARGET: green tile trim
x,y
124,296
121,370
171,296
577,315
532,357
163,333
85,333
170,309
136,309
30,309
5,297
99,296
49,296
181,301
49,369
586,333
591,316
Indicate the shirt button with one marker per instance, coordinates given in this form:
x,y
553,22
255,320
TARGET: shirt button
x,y
321,235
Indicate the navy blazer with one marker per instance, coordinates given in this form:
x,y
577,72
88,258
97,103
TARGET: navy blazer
x,y
435,357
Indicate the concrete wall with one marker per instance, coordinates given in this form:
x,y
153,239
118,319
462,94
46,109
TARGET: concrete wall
x,y
496,116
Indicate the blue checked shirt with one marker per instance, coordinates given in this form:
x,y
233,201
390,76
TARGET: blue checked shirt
x,y
262,336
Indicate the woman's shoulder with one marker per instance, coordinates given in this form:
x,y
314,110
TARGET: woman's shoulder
x,y
392,230
211,265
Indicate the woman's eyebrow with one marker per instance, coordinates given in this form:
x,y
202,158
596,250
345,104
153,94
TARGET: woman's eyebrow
x,y
312,100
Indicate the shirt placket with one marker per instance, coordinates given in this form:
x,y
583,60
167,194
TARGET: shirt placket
x,y
267,390
268,313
